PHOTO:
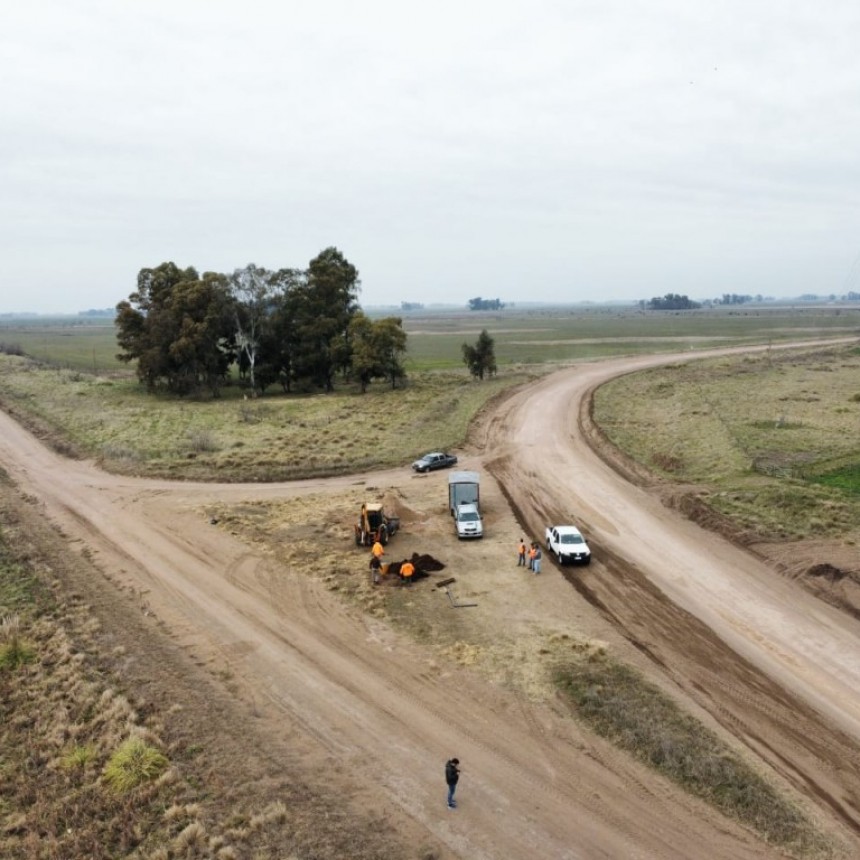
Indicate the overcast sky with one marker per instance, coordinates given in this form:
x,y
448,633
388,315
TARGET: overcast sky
x,y
531,151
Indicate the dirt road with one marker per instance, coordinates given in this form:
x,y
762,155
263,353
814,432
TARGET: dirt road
x,y
775,668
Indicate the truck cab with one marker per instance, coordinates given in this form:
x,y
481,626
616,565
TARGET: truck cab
x,y
467,520
568,545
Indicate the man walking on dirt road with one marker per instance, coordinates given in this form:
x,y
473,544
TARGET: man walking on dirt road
x,y
452,775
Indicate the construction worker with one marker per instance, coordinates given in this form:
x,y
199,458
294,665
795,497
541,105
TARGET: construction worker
x,y
532,554
378,550
521,554
407,571
536,560
375,569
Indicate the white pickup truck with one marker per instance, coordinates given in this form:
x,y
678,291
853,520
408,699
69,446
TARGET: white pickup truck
x,y
568,545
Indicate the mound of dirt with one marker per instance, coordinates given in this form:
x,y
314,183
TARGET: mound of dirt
x,y
834,585
426,563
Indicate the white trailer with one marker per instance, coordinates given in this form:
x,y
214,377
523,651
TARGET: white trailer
x,y
464,488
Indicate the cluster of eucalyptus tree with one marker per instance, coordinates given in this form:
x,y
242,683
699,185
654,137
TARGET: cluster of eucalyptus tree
x,y
290,327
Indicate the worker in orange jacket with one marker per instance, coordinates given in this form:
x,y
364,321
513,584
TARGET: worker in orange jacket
x,y
378,550
407,571
521,553
532,554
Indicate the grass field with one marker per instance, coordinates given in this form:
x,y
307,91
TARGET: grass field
x,y
106,415
271,438
773,439
523,337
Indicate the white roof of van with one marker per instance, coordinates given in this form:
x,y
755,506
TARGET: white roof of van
x,y
464,478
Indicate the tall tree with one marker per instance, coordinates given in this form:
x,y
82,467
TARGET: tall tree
x,y
323,306
280,345
390,340
377,349
480,358
177,326
144,328
251,289
365,365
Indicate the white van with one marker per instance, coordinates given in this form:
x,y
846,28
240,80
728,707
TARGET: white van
x,y
468,521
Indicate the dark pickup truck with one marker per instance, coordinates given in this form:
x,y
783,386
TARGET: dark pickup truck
x,y
436,460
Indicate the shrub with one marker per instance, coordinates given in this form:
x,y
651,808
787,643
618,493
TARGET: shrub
x,y
133,764
201,441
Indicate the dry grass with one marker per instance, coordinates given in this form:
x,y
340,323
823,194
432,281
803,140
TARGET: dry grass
x,y
758,433
277,437
75,726
620,705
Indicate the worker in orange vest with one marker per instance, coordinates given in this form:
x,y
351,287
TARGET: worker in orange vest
x,y
532,554
521,554
407,571
378,550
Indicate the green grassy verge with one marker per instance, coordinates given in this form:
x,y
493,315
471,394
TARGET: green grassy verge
x,y
771,439
621,706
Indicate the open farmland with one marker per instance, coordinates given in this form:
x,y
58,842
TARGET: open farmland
x,y
106,415
264,589
770,443
523,336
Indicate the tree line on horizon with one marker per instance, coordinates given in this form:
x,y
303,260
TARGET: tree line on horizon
x,y
287,327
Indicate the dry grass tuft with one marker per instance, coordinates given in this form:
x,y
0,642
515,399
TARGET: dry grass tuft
x,y
78,757
191,841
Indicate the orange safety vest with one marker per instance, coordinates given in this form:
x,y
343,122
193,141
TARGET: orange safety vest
x,y
407,569
532,552
522,549
378,550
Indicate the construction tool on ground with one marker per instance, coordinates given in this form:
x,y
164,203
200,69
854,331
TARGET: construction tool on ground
x,y
446,583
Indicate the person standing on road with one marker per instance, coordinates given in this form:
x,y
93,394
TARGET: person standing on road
x,y
536,559
521,554
532,556
452,776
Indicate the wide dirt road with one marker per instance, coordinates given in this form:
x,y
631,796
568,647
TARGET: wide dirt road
x,y
777,669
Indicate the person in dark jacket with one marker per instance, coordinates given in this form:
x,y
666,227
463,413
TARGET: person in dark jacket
x,y
452,775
